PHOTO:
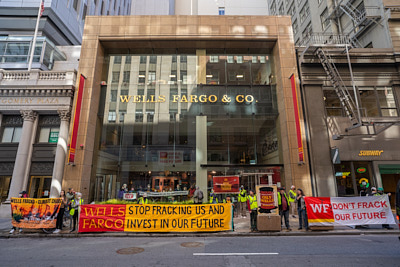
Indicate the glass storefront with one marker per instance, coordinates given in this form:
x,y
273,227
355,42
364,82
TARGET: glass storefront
x,y
146,129
350,175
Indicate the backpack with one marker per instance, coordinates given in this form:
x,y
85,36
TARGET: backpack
x,y
200,195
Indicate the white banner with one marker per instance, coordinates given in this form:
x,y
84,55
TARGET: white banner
x,y
362,210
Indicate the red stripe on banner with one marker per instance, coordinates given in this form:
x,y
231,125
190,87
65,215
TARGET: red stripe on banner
x,y
319,210
297,118
77,113
102,218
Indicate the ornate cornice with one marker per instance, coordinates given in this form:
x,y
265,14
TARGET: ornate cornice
x,y
39,92
29,115
65,114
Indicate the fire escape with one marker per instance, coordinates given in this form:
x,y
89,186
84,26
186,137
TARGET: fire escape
x,y
325,46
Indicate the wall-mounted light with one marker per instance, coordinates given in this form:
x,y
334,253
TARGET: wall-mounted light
x,y
209,76
81,145
239,76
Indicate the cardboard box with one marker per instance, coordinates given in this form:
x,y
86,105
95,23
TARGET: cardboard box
x,y
269,223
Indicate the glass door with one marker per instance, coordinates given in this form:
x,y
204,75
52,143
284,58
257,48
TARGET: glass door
x,y
39,186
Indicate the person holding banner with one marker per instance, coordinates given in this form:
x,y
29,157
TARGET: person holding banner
x,y
380,193
76,203
60,214
22,194
301,209
292,198
284,205
242,198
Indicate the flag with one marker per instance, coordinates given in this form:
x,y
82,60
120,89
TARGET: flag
x,y
41,8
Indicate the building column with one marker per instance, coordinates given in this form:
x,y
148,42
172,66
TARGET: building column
x,y
201,154
23,154
61,152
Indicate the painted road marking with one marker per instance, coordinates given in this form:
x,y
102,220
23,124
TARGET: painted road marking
x,y
235,254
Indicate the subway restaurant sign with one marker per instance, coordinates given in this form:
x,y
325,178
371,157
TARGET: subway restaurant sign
x,y
241,98
156,218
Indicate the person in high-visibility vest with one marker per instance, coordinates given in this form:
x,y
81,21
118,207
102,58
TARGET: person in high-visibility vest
x,y
242,199
253,211
213,197
284,204
380,193
292,198
143,199
76,203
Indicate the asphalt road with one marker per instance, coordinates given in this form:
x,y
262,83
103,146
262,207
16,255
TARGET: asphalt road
x,y
367,250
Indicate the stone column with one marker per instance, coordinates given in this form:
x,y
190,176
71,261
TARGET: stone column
x,y
23,154
201,154
61,152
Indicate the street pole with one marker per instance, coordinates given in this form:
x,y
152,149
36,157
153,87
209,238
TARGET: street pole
x,y
41,8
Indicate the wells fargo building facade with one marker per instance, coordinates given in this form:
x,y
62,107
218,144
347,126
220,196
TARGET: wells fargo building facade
x,y
174,100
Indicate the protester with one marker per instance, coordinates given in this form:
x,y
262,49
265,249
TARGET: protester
x,y
60,214
143,199
132,190
242,198
198,196
76,203
253,211
284,204
178,188
213,197
292,198
380,193
301,210
192,190
22,194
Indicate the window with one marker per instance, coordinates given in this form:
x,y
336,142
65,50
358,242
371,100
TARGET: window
x,y
214,59
221,11
281,10
49,134
152,77
273,8
84,12
239,59
143,59
113,95
295,27
183,59
332,103
102,8
142,77
138,116
173,76
153,59
117,59
128,60
387,103
230,59
75,5
307,31
150,117
112,116
127,75
183,77
304,12
11,134
254,59
115,76
173,58
324,19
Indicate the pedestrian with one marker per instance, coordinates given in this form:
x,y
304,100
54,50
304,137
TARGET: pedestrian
x,y
76,203
301,210
284,204
292,200
253,210
21,194
70,196
380,192
60,214
143,199
198,196
213,197
242,199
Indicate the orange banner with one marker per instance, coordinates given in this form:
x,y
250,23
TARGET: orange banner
x,y
35,212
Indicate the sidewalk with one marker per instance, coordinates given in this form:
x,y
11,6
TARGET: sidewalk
x,y
242,229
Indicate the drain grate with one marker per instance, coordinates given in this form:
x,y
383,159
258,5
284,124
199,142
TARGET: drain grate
x,y
128,251
192,244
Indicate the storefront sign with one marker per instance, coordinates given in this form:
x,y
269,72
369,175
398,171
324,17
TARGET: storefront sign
x,y
369,153
349,210
297,119
167,157
156,218
35,213
77,114
226,184
53,138
361,170
129,196
187,99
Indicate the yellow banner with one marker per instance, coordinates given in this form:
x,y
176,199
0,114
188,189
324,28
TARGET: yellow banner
x,y
178,218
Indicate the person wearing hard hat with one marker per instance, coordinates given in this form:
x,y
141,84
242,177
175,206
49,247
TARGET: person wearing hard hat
x,y
143,199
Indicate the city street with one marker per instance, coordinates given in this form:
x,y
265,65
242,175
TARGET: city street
x,y
374,250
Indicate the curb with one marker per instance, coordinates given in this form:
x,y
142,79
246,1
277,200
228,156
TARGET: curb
x,y
157,235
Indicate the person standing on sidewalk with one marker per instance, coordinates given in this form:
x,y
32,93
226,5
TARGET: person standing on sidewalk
x,y
242,198
60,214
380,193
292,200
76,203
284,204
22,194
301,210
253,211
198,196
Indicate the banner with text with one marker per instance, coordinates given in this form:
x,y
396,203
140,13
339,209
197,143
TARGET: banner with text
x,y
35,212
349,210
156,218
226,184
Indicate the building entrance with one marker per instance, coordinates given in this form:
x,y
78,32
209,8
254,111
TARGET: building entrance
x,y
390,175
39,186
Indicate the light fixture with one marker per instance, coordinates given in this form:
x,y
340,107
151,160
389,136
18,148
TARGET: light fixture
x,y
172,76
142,76
239,76
209,76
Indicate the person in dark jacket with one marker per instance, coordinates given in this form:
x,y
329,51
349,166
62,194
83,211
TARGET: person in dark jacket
x,y
284,206
301,209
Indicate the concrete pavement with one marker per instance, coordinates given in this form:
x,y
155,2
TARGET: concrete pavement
x,y
242,228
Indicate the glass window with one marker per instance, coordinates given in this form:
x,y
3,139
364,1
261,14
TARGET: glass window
x,y
115,76
138,117
153,59
369,102
117,59
113,95
11,134
239,59
183,58
230,59
214,59
152,77
344,180
143,59
387,101
332,103
128,60
48,134
295,27
221,11
324,19
112,116
75,5
127,75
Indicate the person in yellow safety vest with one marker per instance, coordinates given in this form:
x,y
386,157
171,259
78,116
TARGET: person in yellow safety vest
x,y
253,211
292,198
227,200
143,199
284,204
213,197
242,199
76,203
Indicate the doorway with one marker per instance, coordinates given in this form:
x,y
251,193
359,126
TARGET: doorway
x,y
390,175
39,186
